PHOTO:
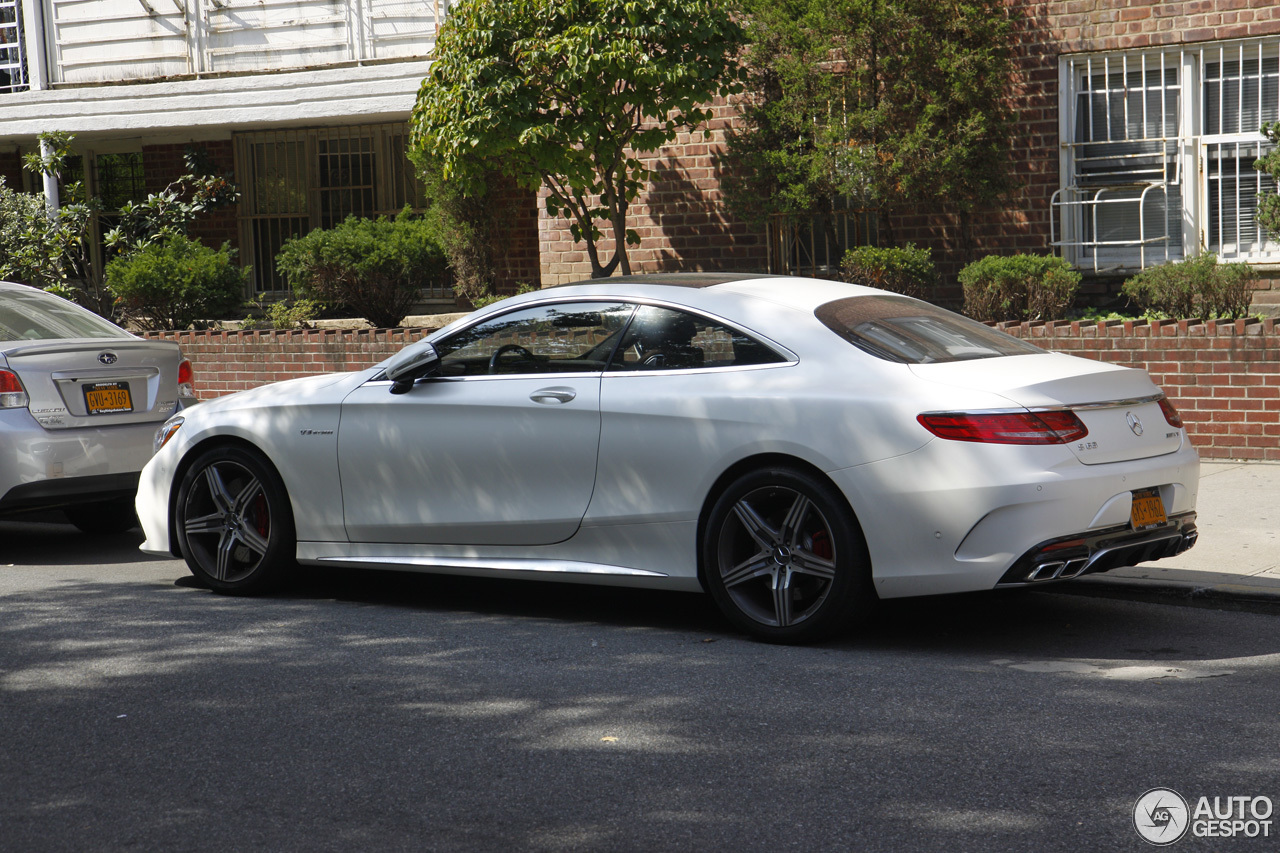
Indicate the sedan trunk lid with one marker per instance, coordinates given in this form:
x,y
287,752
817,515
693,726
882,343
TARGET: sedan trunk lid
x,y
97,382
1119,405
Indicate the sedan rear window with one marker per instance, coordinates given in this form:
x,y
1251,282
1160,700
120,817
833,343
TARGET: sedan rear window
x,y
908,331
33,315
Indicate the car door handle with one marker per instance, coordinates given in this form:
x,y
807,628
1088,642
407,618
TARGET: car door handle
x,y
547,396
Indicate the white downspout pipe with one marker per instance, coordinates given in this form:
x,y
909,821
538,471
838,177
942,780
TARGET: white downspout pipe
x,y
51,201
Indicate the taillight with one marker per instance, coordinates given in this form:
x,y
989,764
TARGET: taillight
x,y
1170,413
12,394
1054,427
186,380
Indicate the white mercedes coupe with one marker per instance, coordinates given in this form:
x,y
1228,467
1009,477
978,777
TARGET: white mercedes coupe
x,y
796,448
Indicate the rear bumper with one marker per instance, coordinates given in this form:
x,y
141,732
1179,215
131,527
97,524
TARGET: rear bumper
x,y
51,494
42,468
1066,557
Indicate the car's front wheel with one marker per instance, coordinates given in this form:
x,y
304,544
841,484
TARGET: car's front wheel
x,y
784,558
234,522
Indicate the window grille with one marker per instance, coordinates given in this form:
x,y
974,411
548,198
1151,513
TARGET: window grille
x,y
1121,202
815,247
1158,153
293,181
1241,91
13,58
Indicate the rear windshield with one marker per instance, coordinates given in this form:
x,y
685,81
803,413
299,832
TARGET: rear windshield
x,y
33,315
907,331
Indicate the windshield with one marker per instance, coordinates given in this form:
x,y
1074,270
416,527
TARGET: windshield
x,y
908,331
28,314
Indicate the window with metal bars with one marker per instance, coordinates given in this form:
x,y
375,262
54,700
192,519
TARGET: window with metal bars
x,y
816,246
293,181
13,58
1120,203
1241,91
1158,152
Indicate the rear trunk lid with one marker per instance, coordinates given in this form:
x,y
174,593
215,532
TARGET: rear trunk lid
x,y
1118,405
97,382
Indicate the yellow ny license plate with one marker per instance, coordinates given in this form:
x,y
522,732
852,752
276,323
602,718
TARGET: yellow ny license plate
x,y
1148,509
105,398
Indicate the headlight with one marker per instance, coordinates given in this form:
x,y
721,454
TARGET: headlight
x,y
166,432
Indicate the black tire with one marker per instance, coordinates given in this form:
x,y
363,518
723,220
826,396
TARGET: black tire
x,y
234,523
784,558
103,518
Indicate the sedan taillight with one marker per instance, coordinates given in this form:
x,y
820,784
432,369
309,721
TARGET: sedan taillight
x,y
1170,413
1052,427
186,380
12,394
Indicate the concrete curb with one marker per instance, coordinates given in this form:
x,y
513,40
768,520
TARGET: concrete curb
x,y
1225,592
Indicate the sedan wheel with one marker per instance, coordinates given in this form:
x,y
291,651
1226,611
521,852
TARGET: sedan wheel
x,y
234,522
784,558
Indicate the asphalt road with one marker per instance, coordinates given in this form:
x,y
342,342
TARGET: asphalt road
x,y
380,711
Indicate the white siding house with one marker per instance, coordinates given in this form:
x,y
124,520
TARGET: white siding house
x,y
306,101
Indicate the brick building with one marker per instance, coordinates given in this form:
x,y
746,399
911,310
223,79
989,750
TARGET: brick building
x,y
1138,126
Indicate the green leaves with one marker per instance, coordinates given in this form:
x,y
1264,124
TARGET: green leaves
x,y
375,267
1018,287
176,283
873,103
1198,287
564,93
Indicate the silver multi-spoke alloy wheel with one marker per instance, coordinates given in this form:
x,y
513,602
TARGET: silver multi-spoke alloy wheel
x,y
783,557
234,524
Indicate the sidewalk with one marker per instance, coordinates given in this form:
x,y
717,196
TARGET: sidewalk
x,y
1236,561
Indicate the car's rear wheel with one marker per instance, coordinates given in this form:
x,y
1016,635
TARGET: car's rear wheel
x,y
784,558
234,523
103,517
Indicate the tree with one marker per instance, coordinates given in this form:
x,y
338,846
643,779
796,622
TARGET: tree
x,y
565,94
51,251
1269,163
47,248
888,103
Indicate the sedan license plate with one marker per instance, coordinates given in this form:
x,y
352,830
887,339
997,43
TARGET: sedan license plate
x,y
1148,509
105,398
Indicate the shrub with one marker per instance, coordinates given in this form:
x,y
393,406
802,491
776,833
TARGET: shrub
x,y
177,284
1197,287
374,267
1018,287
285,314
908,270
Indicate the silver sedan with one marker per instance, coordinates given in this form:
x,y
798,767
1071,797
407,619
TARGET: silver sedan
x,y
80,400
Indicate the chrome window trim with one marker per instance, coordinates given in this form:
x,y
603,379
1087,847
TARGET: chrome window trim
x,y
789,358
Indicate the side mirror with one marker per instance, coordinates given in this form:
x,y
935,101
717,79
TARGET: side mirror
x,y
410,363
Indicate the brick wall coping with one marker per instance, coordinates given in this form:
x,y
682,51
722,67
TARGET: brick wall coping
x,y
1141,328
286,335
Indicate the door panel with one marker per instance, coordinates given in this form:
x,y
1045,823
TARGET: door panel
x,y
484,461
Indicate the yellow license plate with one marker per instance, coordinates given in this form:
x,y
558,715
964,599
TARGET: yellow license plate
x,y
1148,509
105,398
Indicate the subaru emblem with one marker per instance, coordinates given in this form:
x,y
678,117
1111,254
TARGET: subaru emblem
x,y
1135,423
107,358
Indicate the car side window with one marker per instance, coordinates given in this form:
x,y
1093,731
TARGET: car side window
x,y
570,337
667,339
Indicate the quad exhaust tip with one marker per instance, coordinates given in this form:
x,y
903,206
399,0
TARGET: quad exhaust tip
x,y
1064,560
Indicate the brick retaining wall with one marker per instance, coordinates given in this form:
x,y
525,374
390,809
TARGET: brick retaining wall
x,y
1224,376
230,361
